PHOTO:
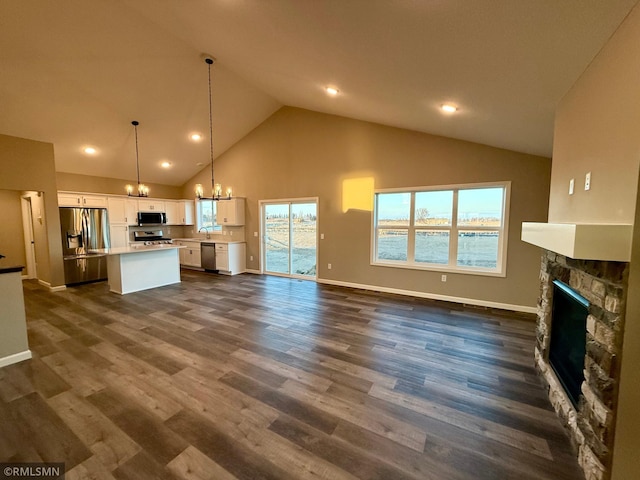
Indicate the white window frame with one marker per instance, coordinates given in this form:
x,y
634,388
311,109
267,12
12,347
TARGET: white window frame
x,y
199,225
453,229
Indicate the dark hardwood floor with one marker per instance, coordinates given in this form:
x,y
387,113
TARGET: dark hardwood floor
x,y
257,377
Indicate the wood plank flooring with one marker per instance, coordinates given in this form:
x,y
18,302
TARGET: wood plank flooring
x,y
257,377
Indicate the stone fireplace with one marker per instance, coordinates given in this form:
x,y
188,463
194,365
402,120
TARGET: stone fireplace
x,y
591,423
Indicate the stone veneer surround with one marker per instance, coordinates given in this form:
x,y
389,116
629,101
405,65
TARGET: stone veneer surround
x,y
591,426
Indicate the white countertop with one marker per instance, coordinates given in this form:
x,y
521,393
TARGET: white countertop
x,y
206,240
137,249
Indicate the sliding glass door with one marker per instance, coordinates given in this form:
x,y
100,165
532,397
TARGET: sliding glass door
x,y
290,238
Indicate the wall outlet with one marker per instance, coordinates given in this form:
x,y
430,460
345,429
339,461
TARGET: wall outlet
x,y
572,184
587,181
231,233
329,266
322,236
251,258
443,278
255,234
224,232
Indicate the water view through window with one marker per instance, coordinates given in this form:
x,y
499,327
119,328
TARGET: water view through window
x,y
453,227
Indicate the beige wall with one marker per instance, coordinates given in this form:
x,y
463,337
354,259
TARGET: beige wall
x,y
596,130
597,125
299,153
29,165
627,441
85,183
11,233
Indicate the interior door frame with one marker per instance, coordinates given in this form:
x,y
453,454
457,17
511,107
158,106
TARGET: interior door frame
x,y
261,204
29,238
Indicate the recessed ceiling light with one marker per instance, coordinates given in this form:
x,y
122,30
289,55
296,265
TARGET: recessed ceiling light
x,y
165,164
449,108
196,137
333,91
89,150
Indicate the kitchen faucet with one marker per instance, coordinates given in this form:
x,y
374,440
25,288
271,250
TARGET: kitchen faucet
x,y
208,236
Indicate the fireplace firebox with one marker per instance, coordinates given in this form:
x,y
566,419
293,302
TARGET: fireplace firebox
x,y
567,348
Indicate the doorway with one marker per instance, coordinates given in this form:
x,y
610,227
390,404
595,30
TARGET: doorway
x,y
290,238
29,238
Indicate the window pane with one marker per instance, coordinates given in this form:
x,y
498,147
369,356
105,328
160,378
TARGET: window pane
x,y
206,213
480,207
392,244
478,249
303,238
276,217
393,209
433,208
432,247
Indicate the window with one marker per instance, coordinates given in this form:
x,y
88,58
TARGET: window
x,y
460,228
206,215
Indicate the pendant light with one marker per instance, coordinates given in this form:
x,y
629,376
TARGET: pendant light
x,y
216,188
143,190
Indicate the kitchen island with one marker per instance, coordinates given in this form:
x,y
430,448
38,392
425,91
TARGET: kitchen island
x,y
141,267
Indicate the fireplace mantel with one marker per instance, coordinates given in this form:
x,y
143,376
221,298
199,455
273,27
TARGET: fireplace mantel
x,y
607,242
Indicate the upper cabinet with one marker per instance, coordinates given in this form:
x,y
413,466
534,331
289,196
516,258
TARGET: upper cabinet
x,y
179,212
117,210
122,210
81,200
151,205
230,212
186,209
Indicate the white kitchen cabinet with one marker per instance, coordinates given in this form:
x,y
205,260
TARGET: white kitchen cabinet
x,y
185,211
131,209
190,256
231,258
119,235
230,212
122,210
222,257
173,215
179,212
148,205
117,207
80,200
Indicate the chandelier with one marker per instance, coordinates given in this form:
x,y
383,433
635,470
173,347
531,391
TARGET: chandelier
x,y
142,190
216,188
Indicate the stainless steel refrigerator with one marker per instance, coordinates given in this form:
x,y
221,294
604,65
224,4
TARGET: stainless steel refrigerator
x,y
83,230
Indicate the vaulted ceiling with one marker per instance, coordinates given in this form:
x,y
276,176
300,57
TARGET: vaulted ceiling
x,y
77,72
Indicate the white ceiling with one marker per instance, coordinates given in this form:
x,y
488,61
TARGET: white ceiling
x,y
77,72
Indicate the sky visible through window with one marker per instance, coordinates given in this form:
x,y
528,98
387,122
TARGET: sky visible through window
x,y
472,203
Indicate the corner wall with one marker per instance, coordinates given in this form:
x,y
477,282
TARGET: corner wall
x,y
596,131
29,165
299,153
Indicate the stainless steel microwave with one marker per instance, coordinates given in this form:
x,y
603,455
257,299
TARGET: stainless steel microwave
x,y
151,218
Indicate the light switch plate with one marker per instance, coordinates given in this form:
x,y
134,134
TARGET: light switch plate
x,y
572,184
587,181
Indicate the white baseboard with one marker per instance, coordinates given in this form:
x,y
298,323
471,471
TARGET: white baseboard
x,y
59,288
15,358
432,296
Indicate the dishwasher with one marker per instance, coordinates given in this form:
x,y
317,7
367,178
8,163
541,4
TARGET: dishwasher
x,y
208,253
